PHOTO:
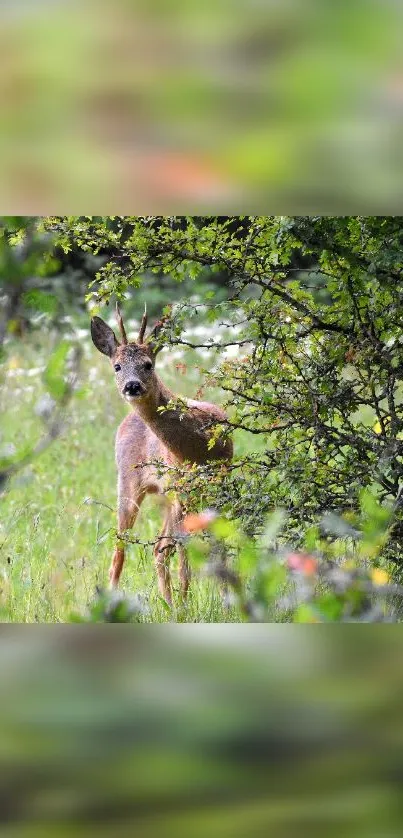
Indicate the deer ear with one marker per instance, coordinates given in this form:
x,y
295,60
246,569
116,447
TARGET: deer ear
x,y
103,337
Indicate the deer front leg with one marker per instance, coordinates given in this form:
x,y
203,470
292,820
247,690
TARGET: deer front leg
x,y
128,509
184,570
116,565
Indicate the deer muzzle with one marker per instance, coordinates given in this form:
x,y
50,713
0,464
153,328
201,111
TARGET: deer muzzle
x,y
133,389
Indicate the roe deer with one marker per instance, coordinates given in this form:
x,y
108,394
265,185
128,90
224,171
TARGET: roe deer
x,y
148,434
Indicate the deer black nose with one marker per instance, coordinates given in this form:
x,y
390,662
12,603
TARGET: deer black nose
x,y
132,388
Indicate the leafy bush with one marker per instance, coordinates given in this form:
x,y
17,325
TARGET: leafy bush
x,y
338,577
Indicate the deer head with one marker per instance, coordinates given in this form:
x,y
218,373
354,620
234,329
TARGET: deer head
x,y
132,361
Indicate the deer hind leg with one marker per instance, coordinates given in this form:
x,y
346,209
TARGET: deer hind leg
x,y
162,553
128,509
165,546
177,529
184,570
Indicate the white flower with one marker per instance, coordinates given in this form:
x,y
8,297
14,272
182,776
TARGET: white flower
x,y
8,450
45,406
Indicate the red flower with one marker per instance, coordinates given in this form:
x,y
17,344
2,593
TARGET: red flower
x,y
302,563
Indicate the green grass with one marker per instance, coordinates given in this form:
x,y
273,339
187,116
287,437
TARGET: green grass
x,y
56,546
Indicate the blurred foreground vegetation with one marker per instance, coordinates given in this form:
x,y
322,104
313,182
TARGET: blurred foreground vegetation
x,y
221,730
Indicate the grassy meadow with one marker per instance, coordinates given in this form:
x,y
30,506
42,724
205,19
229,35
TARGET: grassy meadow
x,y
58,514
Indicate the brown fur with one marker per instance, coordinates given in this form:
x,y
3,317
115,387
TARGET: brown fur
x,y
170,436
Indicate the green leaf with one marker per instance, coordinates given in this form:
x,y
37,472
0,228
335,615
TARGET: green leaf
x,y
223,528
40,301
197,550
248,557
55,371
274,523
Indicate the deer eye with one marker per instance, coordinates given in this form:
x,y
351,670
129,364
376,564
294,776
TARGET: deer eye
x,y
148,365
117,367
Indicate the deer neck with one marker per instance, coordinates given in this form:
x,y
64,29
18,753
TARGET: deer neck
x,y
153,412
169,424
151,408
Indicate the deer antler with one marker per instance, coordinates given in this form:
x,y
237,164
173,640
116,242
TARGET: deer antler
x,y
143,325
120,324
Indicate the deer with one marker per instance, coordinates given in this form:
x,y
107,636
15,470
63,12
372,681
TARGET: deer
x,y
157,432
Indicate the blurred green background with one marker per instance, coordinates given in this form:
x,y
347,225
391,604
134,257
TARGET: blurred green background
x,y
185,106
216,730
